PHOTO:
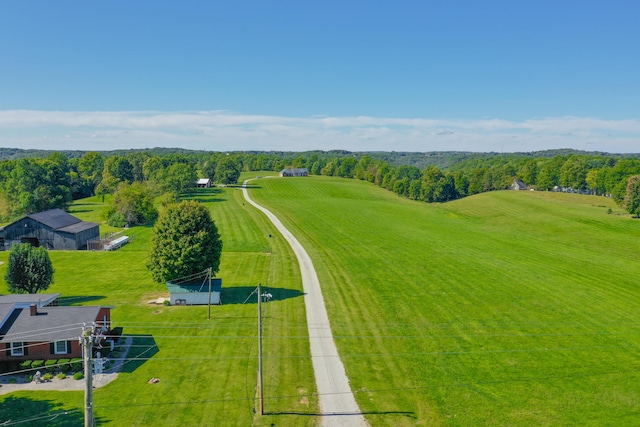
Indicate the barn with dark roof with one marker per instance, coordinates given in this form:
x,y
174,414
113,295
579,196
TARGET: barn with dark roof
x,y
53,229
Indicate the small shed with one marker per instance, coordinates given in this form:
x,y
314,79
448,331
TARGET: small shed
x,y
203,183
53,229
195,291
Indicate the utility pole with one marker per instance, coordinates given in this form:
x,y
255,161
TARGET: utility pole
x,y
260,377
87,342
209,293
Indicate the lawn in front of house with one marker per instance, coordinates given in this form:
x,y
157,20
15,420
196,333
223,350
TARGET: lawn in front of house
x,y
207,368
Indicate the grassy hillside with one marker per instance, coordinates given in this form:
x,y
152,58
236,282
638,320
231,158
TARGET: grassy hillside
x,y
506,308
207,368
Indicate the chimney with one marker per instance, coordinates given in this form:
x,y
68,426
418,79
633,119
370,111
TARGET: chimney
x,y
34,309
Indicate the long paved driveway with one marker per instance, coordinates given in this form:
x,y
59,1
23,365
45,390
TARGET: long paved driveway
x,y
338,406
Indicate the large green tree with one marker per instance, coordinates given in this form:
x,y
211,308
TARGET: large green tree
x,y
632,198
227,171
29,270
132,204
185,241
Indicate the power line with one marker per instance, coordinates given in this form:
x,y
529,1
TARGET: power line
x,y
44,416
386,390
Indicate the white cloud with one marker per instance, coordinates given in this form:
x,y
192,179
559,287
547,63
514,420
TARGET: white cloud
x,y
223,130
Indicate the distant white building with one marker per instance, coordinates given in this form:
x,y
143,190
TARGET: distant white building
x,y
294,172
203,183
518,185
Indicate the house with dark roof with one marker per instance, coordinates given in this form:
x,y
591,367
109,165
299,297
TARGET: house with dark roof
x,y
294,172
33,327
518,185
53,229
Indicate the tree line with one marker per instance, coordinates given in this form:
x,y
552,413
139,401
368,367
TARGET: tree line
x,y
137,179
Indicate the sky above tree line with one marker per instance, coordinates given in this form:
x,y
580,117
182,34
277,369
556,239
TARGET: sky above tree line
x,y
500,76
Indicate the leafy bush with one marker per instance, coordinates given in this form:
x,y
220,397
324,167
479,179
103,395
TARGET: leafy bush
x,y
12,380
37,364
30,269
64,364
26,364
76,364
116,219
51,365
61,376
9,366
47,377
114,333
78,376
29,378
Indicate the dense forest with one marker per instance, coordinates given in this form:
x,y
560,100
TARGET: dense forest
x,y
33,180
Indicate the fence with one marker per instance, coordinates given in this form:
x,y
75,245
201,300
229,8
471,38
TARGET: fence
x,y
109,241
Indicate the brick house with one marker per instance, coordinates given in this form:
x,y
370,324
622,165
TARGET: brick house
x,y
33,327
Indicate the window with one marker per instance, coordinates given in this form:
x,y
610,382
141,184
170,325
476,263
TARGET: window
x,y
61,347
17,349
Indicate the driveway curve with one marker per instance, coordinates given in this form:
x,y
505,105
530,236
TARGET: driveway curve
x,y
338,406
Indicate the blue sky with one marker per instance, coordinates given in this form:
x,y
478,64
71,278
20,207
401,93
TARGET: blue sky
x,y
356,75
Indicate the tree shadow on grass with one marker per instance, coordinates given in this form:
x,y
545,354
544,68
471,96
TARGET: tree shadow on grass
x,y
79,300
239,294
206,200
203,195
143,348
33,412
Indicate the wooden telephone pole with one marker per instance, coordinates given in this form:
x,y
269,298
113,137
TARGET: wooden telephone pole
x,y
87,343
260,376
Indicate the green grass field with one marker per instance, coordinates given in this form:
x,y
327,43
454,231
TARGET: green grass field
x,y
207,368
506,308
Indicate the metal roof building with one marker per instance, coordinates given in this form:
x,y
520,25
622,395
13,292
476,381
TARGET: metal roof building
x,y
53,229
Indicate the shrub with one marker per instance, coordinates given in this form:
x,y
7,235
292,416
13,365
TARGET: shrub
x,y
47,377
64,364
37,364
76,364
78,376
114,355
29,378
12,380
51,365
61,376
9,366
26,364
114,333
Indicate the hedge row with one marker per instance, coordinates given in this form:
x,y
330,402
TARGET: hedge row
x,y
62,365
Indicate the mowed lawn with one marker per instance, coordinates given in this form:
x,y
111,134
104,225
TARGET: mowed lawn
x,y
207,368
505,308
